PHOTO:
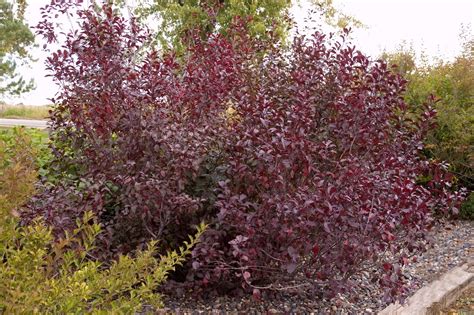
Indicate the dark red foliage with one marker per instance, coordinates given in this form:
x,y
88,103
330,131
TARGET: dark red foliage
x,y
314,173
136,127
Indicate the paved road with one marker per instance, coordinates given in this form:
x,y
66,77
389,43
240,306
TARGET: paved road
x,y
41,124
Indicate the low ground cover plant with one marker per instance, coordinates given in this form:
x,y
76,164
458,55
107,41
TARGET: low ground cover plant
x,y
304,159
43,275
467,208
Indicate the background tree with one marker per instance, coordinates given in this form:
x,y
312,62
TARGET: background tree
x,y
15,39
177,18
334,17
402,61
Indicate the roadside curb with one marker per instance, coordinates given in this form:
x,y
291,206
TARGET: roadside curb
x,y
29,123
433,297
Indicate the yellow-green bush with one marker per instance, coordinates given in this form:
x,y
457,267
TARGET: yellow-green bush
x,y
453,83
17,170
43,275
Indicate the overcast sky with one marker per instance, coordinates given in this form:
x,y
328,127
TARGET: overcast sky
x,y
429,25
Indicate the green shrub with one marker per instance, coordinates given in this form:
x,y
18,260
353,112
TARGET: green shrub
x,y
18,172
453,139
453,84
43,275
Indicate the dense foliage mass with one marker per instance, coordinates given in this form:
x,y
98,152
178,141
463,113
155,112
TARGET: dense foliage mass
x,y
41,275
304,160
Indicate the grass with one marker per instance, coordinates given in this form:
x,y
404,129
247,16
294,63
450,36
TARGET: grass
x,y
24,111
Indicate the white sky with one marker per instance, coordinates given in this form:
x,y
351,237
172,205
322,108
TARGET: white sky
x,y
429,25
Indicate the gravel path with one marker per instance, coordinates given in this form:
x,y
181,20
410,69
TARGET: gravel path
x,y
453,244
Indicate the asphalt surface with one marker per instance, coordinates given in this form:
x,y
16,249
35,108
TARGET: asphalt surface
x,y
40,124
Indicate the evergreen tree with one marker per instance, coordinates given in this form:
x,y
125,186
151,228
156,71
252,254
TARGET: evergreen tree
x,y
15,39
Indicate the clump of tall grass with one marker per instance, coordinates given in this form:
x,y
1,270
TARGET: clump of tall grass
x,y
24,111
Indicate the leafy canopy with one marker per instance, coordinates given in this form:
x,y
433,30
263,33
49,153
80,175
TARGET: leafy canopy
x,y
178,18
266,18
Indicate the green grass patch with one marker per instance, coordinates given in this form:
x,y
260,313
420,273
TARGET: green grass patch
x,y
24,111
467,208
